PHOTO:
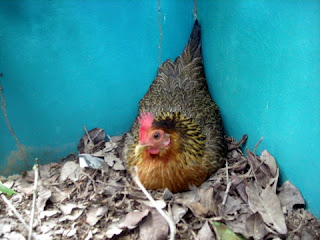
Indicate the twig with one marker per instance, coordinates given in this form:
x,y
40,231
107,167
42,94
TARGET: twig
x,y
14,211
235,145
111,141
256,146
172,226
228,185
301,222
93,184
90,140
161,33
36,177
37,162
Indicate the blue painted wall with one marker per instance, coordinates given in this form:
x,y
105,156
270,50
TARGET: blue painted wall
x,y
66,64
262,62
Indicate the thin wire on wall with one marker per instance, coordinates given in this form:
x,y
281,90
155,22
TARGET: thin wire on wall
x,y
160,30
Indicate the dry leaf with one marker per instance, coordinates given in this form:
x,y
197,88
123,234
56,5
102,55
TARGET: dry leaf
x,y
116,138
14,236
198,209
240,185
94,214
68,207
75,215
49,213
113,229
44,195
47,226
207,201
205,232
109,146
5,228
290,196
268,205
118,166
269,160
70,170
110,159
154,227
178,212
186,198
133,218
167,194
57,195
70,233
238,225
231,207
255,227
24,187
89,236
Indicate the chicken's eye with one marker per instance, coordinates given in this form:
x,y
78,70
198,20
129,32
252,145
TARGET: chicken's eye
x,y
156,135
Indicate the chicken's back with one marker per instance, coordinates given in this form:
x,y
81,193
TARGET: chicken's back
x,y
180,86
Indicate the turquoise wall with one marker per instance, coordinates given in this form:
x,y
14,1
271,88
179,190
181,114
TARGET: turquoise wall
x,y
67,64
262,62
71,63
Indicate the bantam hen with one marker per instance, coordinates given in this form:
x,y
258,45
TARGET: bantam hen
x,y
177,141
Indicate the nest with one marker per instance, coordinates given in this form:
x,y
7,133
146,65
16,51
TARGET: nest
x,y
92,196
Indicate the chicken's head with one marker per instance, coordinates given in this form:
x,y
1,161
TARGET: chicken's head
x,y
152,138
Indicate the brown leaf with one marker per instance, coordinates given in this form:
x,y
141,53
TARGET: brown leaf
x,y
154,227
255,227
70,170
262,172
69,207
112,187
113,229
198,209
57,195
290,196
205,233
178,212
207,201
72,217
49,213
44,195
269,160
240,185
95,213
133,218
167,194
231,207
186,198
238,225
268,205
118,165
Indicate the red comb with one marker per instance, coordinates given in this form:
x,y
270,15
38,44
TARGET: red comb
x,y
145,120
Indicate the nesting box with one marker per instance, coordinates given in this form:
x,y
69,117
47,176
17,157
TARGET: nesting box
x,y
69,64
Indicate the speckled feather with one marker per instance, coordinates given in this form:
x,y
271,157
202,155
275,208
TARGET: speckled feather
x,y
180,93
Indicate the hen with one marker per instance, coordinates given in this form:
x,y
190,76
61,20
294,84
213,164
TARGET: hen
x,y
177,141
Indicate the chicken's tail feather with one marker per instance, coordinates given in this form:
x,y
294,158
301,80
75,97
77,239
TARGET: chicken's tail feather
x,y
193,48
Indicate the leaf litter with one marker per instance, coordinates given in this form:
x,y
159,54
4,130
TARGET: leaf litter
x,y
92,196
